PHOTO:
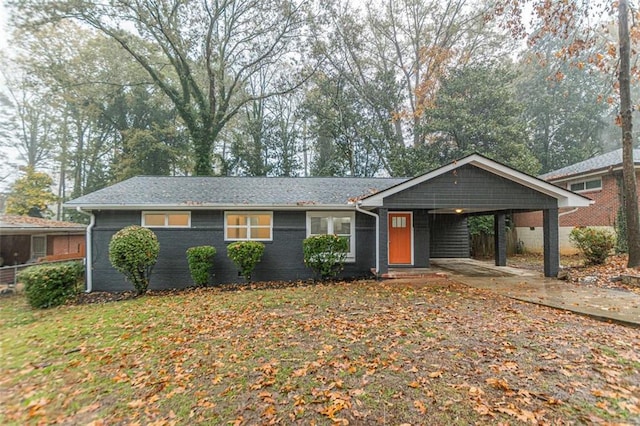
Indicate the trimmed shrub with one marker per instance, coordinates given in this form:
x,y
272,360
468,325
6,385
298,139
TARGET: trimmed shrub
x,y
325,254
595,244
51,285
200,261
246,255
134,251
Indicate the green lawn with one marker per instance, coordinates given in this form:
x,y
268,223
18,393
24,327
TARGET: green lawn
x,y
350,353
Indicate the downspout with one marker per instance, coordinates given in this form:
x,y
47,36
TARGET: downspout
x,y
88,260
357,204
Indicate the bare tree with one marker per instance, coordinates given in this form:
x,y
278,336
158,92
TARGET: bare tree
x,y
200,53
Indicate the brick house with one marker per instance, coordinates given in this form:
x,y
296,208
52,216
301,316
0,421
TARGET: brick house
x,y
26,239
598,178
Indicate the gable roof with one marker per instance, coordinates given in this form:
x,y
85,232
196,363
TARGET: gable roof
x,y
14,223
565,198
171,192
166,192
595,164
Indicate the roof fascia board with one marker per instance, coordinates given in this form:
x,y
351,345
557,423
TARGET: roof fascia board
x,y
565,198
48,231
589,173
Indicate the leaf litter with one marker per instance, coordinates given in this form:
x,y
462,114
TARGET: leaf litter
x,y
400,352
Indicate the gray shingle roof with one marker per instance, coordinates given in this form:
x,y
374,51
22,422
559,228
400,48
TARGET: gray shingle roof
x,y
161,191
610,159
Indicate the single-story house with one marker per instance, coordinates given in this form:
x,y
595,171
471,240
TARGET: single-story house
x,y
598,178
26,239
390,222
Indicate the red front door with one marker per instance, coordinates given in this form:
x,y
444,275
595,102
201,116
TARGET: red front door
x,y
400,232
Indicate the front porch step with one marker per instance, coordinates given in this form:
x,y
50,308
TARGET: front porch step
x,y
397,273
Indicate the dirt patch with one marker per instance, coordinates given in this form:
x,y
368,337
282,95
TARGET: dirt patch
x,y
608,275
574,270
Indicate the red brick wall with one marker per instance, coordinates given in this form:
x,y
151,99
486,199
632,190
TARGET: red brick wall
x,y
602,213
65,244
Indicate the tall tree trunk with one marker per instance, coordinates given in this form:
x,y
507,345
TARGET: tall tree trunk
x,y
628,170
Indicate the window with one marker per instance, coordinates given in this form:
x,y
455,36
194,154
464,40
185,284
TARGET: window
x,y
248,226
342,224
399,222
38,246
586,185
166,219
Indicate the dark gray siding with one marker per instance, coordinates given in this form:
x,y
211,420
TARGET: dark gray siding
x,y
421,239
282,259
470,187
449,236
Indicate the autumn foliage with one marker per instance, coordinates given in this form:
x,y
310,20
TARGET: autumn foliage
x,y
134,251
595,244
428,352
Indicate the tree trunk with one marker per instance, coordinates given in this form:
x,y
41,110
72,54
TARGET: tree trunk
x,y
628,170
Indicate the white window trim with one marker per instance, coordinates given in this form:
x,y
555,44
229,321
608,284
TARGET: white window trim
x,y
33,255
351,255
248,213
584,181
166,219
410,213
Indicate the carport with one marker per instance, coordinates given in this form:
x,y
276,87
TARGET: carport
x,y
426,217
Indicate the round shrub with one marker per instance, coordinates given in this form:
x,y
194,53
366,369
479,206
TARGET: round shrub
x,y
325,254
595,244
200,261
51,285
246,255
134,251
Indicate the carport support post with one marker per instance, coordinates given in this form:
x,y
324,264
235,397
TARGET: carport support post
x,y
383,241
551,247
500,238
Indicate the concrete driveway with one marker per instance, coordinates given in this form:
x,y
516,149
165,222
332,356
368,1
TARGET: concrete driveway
x,y
530,286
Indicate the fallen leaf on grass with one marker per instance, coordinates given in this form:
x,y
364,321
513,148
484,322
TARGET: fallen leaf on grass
x,y
498,383
420,406
632,408
138,403
89,408
520,414
484,410
36,408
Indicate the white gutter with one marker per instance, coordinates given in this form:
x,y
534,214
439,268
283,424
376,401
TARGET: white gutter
x,y
302,206
88,261
357,204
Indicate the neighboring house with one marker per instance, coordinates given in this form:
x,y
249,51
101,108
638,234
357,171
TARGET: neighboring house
x,y
26,239
600,179
390,223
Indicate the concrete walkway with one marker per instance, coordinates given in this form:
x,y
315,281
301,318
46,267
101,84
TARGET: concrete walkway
x,y
531,286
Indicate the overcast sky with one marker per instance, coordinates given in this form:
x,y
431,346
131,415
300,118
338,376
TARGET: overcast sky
x,y
3,28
